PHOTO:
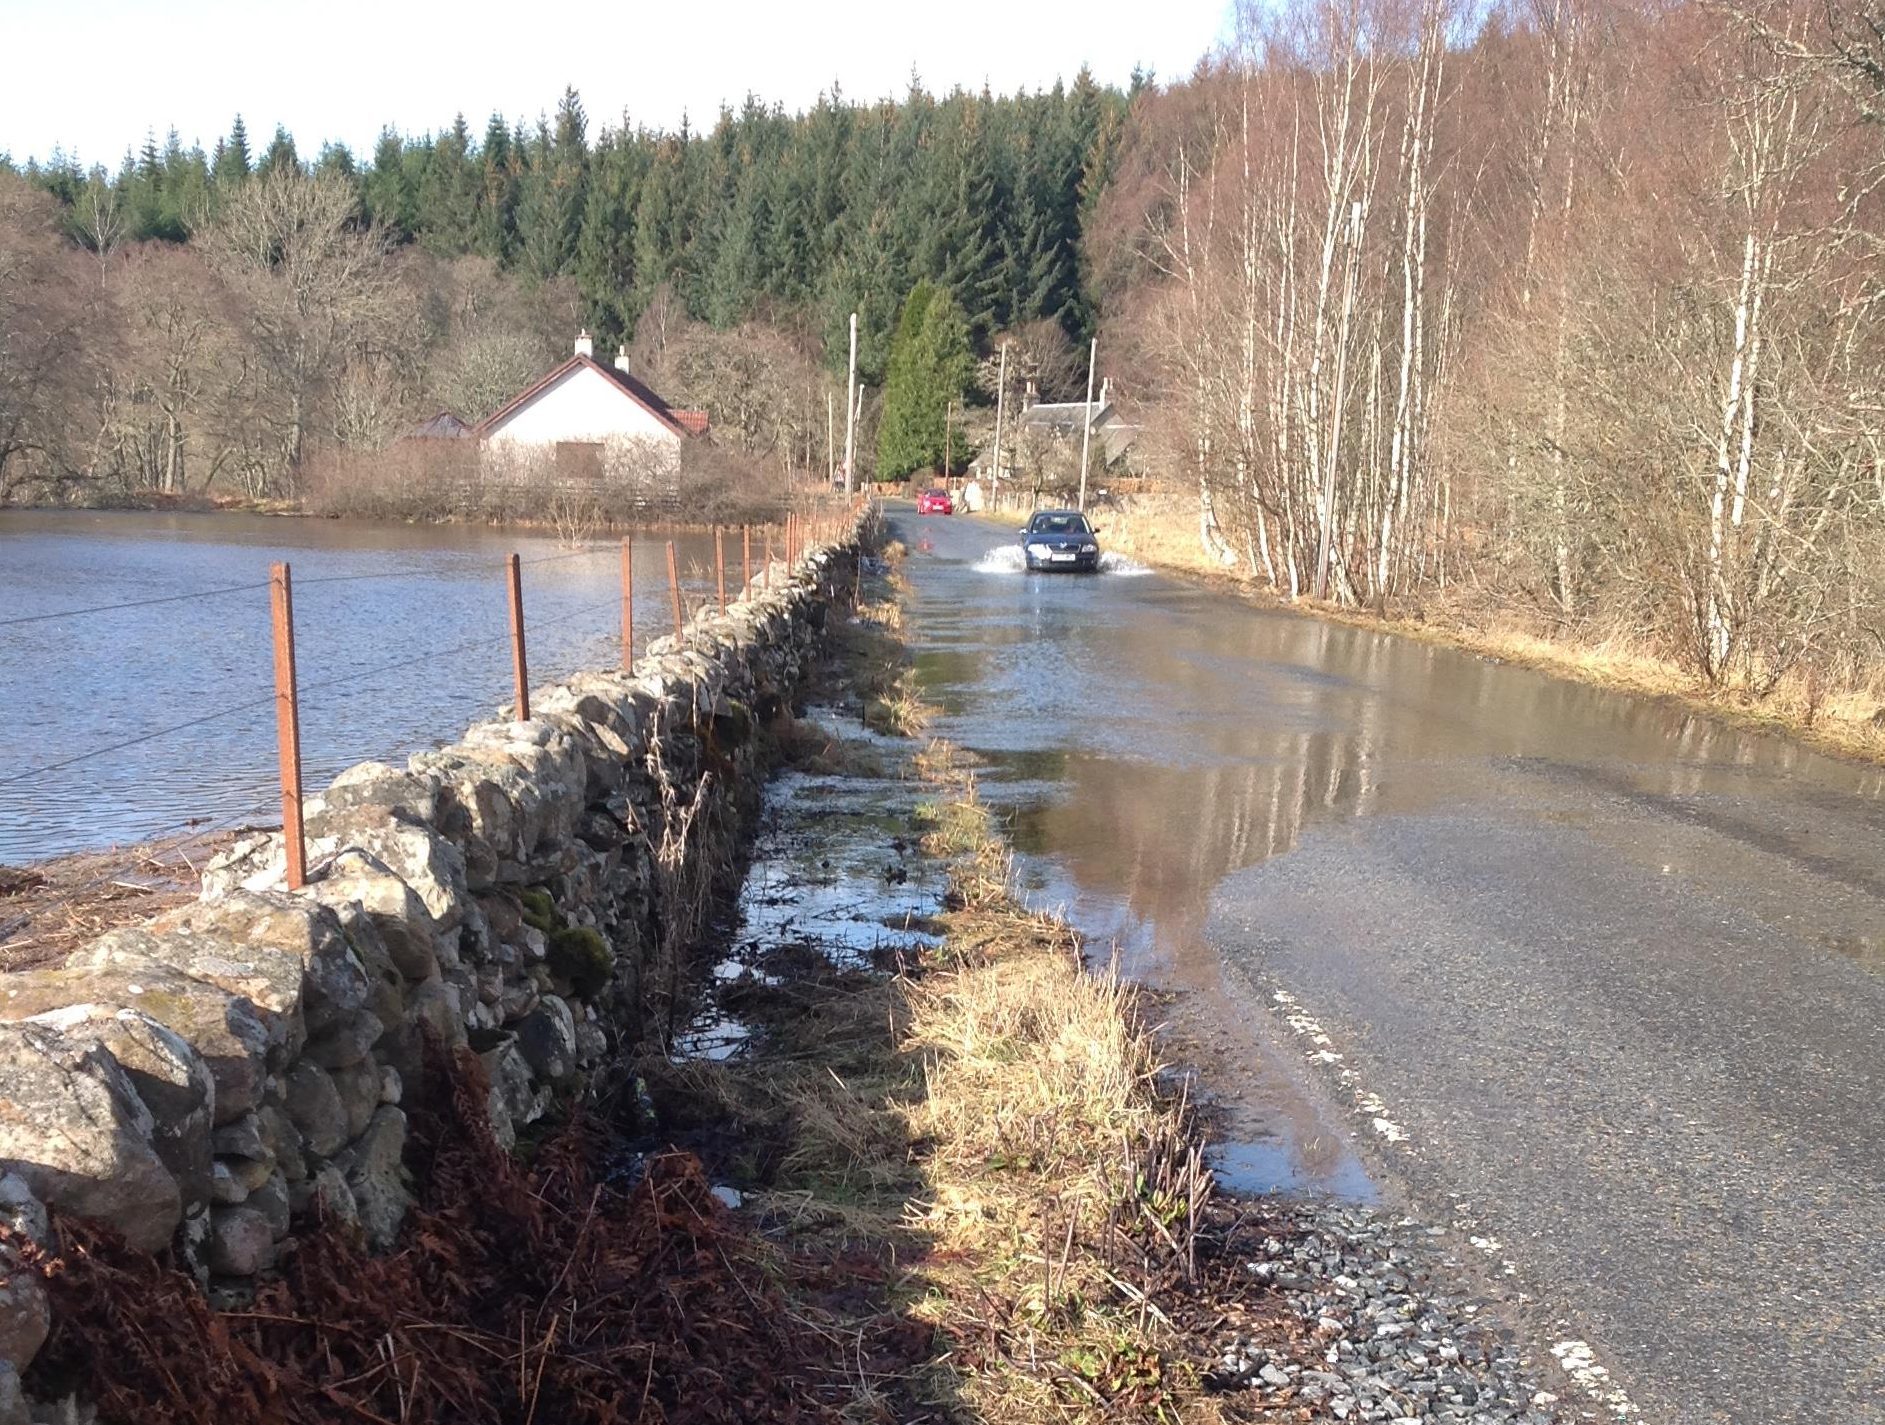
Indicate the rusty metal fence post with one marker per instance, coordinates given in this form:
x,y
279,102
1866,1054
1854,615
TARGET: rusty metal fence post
x,y
288,724
674,592
720,566
746,561
520,668
628,606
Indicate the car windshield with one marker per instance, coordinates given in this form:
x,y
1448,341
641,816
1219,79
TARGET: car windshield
x,y
1059,524
938,494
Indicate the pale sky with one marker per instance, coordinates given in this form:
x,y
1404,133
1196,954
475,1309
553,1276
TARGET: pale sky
x,y
94,75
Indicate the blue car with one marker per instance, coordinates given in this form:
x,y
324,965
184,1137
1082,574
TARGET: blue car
x,y
1060,540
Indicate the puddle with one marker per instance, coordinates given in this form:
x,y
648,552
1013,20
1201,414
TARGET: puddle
x,y
835,871
1260,1166
713,1036
835,867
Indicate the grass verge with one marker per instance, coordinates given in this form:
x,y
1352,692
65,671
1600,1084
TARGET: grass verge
x,y
977,1136
977,1132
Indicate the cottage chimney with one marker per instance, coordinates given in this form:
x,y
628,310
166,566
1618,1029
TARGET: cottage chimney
x,y
621,358
1106,387
585,344
1028,396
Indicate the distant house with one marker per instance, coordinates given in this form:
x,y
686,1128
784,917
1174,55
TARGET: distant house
x,y
443,426
1113,436
583,403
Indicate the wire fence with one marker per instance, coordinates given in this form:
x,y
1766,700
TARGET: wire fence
x,y
377,693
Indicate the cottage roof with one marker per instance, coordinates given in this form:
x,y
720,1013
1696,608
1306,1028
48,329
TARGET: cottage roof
x,y
1065,416
681,423
443,426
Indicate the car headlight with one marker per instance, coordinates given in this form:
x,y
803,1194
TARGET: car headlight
x,y
1089,549
1040,551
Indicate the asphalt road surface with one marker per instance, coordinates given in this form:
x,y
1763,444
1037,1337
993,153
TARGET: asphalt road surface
x,y
1596,981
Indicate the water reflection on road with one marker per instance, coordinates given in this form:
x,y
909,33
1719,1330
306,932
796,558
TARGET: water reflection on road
x,y
1606,971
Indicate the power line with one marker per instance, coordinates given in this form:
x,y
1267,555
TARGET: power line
x,y
406,662
131,604
302,582
135,741
573,554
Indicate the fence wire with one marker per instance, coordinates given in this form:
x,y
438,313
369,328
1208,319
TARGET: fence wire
x,y
691,600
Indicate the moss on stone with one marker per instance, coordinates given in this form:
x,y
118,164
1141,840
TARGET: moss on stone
x,y
739,719
539,910
580,955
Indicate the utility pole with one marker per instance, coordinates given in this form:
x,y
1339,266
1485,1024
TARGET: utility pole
x,y
1086,426
850,413
1001,391
831,439
949,411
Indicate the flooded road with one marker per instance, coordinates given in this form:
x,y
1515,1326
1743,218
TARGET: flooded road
x,y
401,640
1598,982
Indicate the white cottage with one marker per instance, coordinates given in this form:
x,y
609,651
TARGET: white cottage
x,y
583,403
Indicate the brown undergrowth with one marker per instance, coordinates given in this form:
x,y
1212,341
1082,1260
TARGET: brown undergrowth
x,y
578,1282
52,908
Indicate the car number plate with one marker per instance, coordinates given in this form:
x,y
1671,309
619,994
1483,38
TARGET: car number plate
x,y
1066,554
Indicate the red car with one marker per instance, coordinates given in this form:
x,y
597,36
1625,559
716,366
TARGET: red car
x,y
935,502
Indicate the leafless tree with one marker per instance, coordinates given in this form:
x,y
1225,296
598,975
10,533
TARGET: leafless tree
x,y
318,296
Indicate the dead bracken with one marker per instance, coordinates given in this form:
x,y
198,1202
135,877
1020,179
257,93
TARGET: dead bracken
x,y
567,1288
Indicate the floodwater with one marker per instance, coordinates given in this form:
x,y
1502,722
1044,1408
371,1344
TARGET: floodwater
x,y
834,870
402,651
1592,980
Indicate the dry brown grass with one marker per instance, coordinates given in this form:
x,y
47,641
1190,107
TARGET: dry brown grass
x,y
986,1124
871,649
1062,1189
1845,722
51,909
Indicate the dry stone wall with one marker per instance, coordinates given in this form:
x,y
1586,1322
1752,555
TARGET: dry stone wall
x,y
208,1079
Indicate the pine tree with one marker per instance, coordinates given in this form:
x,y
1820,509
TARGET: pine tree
x,y
142,183
605,251
661,229
554,191
336,158
448,193
232,156
736,278
186,187
971,257
1045,243
281,156
495,235
930,367
391,202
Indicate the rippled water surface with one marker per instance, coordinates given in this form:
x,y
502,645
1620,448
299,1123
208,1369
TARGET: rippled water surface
x,y
406,646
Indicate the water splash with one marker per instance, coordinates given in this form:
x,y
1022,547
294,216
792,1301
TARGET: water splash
x,y
1002,559
1008,559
